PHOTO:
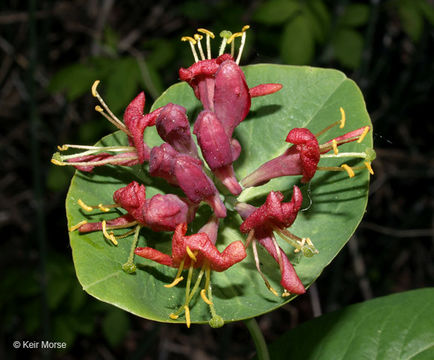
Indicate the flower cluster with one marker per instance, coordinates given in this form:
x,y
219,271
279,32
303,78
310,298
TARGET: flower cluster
x,y
220,85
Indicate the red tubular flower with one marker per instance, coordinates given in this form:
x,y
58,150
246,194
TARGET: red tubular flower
x,y
260,223
303,156
200,243
159,213
187,173
134,125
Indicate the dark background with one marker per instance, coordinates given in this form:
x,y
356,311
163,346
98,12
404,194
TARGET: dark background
x,y
52,51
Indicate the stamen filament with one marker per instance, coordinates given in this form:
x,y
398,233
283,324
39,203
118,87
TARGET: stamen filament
x,y
77,226
93,163
369,167
114,120
187,316
123,226
204,298
92,150
323,131
209,35
101,207
361,155
243,42
191,254
198,38
258,267
249,238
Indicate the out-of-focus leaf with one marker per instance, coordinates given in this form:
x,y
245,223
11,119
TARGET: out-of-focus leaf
x,y
274,12
75,80
58,177
115,326
111,38
411,19
297,46
355,15
196,10
427,10
318,27
160,53
348,47
121,86
394,327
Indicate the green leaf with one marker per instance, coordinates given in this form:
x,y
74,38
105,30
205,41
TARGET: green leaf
x,y
355,15
310,98
348,47
276,12
297,46
394,327
115,326
411,18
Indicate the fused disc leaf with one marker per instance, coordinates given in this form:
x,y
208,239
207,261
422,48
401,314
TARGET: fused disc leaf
x,y
334,204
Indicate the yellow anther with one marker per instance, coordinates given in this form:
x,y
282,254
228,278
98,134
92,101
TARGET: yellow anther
x,y
57,162
103,208
173,316
174,282
191,254
204,298
369,167
235,35
187,316
109,236
99,109
77,226
342,124
335,146
245,28
348,169
286,293
198,37
188,38
207,32
365,131
84,206
63,147
94,86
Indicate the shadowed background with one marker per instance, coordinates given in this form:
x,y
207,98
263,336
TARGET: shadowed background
x,y
50,54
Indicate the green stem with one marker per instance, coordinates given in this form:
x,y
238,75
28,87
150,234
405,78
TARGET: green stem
x,y
258,339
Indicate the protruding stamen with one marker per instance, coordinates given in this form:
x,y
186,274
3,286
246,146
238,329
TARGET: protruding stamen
x,y
342,122
93,163
198,38
364,133
286,293
178,278
175,282
209,35
204,298
173,316
105,208
63,147
243,42
77,226
232,42
300,244
84,206
348,169
110,117
191,254
258,267
369,167
335,146
192,43
110,236
187,316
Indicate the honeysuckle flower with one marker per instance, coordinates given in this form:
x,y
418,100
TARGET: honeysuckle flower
x,y
196,251
275,216
220,84
134,125
187,173
159,213
303,156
